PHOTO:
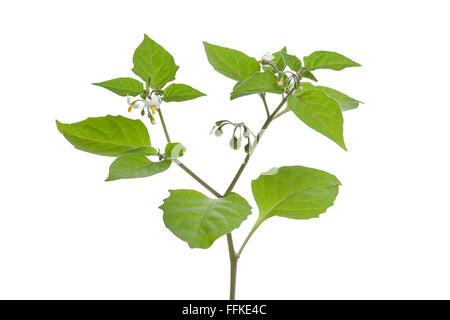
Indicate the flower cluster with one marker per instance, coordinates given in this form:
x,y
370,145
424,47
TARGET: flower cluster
x,y
150,104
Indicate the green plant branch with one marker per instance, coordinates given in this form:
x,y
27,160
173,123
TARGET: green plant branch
x,y
258,138
263,97
197,178
182,166
163,123
255,227
231,250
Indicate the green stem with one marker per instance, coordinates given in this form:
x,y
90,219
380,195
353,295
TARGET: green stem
x,y
233,266
163,123
263,97
233,256
258,138
197,178
232,253
182,166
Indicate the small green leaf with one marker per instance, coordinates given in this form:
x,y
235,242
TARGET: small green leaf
x,y
106,136
345,102
319,112
174,150
181,92
123,86
231,63
309,75
199,220
131,166
279,61
153,61
257,83
328,60
294,192
291,61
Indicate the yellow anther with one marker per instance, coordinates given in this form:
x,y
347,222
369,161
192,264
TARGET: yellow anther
x,y
130,108
153,109
259,61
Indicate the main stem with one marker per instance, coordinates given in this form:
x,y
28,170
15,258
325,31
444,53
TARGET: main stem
x,y
234,257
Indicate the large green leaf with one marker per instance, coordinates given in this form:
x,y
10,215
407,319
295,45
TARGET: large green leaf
x,y
199,220
294,192
181,92
123,86
153,61
344,101
130,166
319,112
231,63
328,60
257,83
106,136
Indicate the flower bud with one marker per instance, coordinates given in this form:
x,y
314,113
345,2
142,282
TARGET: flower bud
x,y
279,83
246,133
235,143
218,132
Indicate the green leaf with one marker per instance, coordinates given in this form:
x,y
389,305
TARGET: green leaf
x,y
320,113
199,220
279,61
174,150
345,102
256,83
106,136
309,75
123,86
145,150
153,61
294,192
328,60
231,63
181,92
131,166
291,61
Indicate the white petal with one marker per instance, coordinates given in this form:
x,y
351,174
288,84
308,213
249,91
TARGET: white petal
x,y
268,57
137,105
129,100
155,101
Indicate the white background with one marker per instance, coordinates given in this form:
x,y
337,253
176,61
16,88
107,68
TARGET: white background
x,y
65,233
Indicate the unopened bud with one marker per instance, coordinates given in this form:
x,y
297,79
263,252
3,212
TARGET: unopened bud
x,y
235,143
246,133
279,83
218,132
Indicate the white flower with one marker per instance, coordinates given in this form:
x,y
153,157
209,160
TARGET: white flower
x,y
267,57
153,103
133,104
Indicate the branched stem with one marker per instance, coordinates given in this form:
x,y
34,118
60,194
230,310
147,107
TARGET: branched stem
x,y
182,166
258,138
232,253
